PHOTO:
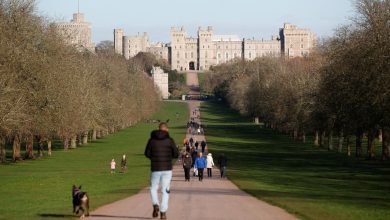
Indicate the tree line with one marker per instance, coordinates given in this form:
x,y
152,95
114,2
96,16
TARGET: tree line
x,y
50,90
339,94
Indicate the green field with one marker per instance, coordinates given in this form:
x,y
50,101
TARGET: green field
x,y
41,189
309,182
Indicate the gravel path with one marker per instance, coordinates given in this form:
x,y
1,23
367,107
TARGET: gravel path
x,y
214,198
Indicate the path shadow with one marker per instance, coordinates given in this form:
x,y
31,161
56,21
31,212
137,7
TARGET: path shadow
x,y
52,215
118,216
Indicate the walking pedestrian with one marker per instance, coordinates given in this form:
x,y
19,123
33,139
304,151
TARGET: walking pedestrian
x,y
191,141
222,163
210,165
161,150
123,163
200,164
113,164
197,145
187,164
203,145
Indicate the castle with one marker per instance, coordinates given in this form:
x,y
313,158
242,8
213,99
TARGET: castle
x,y
207,49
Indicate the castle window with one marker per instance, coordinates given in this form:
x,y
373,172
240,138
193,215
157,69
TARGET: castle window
x,y
227,55
301,45
250,55
192,54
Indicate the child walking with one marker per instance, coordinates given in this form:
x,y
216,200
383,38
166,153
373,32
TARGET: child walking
x,y
113,164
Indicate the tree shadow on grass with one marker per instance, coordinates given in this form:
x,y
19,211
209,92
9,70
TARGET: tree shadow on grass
x,y
269,165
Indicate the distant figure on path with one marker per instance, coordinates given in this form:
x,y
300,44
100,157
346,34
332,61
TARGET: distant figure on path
x,y
161,150
187,164
210,164
200,164
123,163
203,145
197,145
222,163
113,164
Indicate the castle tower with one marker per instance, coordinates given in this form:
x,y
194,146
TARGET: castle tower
x,y
206,48
118,41
178,43
295,41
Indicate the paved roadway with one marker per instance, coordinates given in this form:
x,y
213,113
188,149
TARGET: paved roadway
x,y
214,198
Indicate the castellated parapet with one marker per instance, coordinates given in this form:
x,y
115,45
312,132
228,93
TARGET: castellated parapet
x,y
77,32
207,49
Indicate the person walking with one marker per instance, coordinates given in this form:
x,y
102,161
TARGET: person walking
x,y
200,164
222,163
113,164
197,145
161,150
187,164
203,145
210,165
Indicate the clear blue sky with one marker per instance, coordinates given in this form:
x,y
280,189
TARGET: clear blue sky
x,y
246,18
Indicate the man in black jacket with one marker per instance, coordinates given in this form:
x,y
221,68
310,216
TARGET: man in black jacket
x,y
161,150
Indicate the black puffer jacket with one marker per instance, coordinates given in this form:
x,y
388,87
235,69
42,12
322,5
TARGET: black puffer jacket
x,y
161,149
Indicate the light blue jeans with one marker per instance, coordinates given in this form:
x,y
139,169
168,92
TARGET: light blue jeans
x,y
165,178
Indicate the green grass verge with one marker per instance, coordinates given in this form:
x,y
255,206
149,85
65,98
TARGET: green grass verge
x,y
309,182
41,189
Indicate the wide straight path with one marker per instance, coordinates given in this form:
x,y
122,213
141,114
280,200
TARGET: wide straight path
x,y
213,198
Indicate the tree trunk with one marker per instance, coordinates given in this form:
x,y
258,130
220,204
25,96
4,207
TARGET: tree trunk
x,y
359,140
348,146
341,141
85,138
371,144
2,150
322,139
80,138
40,147
380,136
295,134
66,143
73,142
49,148
16,149
98,134
386,144
316,139
29,147
257,121
330,140
94,134
303,137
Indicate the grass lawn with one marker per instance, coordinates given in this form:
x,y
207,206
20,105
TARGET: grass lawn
x,y
309,182
41,189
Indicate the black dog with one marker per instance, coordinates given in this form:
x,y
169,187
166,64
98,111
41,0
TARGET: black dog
x,y
80,201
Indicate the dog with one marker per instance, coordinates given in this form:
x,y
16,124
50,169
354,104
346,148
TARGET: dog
x,y
80,201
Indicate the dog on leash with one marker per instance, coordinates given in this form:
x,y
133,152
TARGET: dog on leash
x,y
80,201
